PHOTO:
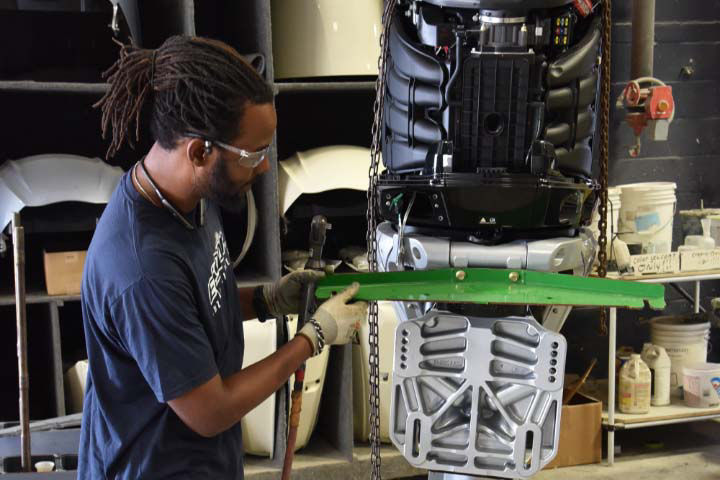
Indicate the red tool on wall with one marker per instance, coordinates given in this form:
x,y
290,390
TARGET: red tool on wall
x,y
649,104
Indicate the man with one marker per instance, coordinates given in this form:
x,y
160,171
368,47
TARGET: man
x,y
162,314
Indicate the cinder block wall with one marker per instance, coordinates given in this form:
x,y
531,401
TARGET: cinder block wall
x,y
687,33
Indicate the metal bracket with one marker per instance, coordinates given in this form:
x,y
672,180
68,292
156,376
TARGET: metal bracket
x,y
485,285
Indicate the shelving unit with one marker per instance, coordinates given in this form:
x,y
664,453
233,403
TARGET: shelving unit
x,y
675,413
329,86
312,113
39,297
47,87
57,110
52,87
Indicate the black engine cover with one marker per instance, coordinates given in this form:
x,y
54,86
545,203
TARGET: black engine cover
x,y
490,106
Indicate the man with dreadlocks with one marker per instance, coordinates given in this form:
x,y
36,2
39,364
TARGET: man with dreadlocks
x,y
162,314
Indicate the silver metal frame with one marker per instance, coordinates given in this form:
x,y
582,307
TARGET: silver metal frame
x,y
469,393
422,252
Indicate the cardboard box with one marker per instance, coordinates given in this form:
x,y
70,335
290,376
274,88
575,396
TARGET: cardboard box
x,y
580,433
63,272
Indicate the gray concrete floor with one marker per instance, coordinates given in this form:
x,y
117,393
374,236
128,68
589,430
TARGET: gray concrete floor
x,y
688,451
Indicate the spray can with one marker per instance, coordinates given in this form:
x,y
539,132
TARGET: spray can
x,y
634,391
658,361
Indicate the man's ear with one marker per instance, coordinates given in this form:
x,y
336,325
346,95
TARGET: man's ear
x,y
199,152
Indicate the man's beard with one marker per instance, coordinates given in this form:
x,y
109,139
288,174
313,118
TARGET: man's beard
x,y
223,192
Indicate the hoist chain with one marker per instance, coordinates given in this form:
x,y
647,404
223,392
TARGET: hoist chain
x,y
604,150
375,152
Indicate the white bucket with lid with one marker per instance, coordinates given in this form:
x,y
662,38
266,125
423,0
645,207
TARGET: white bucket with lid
x,y
646,215
701,385
685,340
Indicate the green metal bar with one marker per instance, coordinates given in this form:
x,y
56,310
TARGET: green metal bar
x,y
487,285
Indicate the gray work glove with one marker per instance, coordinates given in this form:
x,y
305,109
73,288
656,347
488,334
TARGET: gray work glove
x,y
338,320
283,296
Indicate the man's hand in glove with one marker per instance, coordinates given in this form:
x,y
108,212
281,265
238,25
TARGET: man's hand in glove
x,y
338,320
283,296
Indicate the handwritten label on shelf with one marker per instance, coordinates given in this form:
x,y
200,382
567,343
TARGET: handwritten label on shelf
x,y
698,260
655,263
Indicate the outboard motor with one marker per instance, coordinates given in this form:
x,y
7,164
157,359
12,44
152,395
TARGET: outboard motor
x,y
487,130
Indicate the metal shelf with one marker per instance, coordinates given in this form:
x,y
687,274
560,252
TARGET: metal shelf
x,y
38,297
43,297
678,277
340,86
51,87
676,412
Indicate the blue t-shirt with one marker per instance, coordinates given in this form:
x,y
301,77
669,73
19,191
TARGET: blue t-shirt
x,y
161,317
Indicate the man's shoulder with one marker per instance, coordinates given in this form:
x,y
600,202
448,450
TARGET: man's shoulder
x,y
126,248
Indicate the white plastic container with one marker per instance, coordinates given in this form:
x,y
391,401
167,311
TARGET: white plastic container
x,y
701,242
45,466
622,356
702,385
646,215
634,391
658,361
685,343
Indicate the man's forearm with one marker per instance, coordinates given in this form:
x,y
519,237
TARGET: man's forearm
x,y
247,388
212,408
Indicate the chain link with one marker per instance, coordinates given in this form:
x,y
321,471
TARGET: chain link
x,y
604,150
375,151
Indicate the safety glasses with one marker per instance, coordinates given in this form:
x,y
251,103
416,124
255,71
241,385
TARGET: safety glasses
x,y
246,159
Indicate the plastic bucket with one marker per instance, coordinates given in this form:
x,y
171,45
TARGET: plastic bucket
x,y
701,385
646,215
686,343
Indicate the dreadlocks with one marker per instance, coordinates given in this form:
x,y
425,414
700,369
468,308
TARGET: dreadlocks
x,y
196,85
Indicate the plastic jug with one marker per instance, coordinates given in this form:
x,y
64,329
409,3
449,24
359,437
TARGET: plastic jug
x,y
634,392
658,361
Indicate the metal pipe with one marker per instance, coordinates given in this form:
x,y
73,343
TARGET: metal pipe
x,y
20,310
643,38
611,386
686,295
318,229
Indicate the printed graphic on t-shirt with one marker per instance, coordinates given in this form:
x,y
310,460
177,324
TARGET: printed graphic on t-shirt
x,y
218,271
